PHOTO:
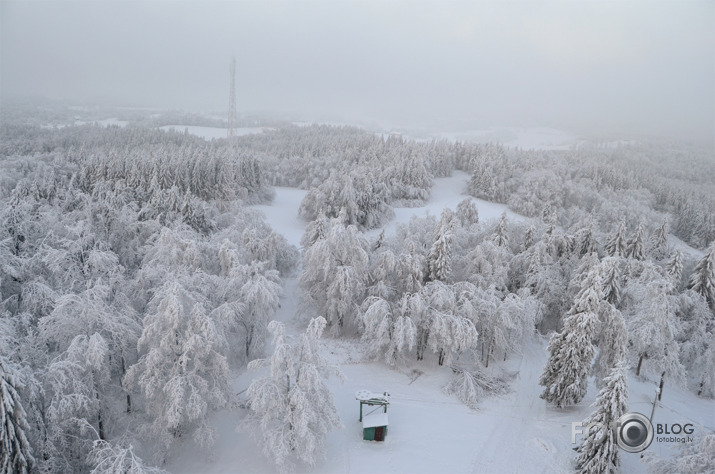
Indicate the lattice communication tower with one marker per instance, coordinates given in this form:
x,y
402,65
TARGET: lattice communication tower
x,y
232,100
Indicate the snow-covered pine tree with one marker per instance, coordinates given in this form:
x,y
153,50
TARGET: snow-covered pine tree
x,y
15,450
439,259
598,452
292,404
635,248
617,245
566,372
702,279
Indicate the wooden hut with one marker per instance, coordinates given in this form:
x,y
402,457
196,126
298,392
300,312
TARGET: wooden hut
x,y
374,424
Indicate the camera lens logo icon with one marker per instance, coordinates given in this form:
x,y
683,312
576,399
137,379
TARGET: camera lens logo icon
x,y
634,432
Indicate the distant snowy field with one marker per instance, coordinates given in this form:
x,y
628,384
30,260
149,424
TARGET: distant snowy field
x,y
210,133
430,432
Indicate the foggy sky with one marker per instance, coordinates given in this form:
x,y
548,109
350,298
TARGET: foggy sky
x,y
640,67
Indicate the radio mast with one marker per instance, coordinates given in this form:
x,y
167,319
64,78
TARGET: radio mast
x,y
232,100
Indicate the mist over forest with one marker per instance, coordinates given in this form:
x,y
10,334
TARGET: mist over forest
x,y
469,213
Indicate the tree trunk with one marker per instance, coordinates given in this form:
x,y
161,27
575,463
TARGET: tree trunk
x,y
660,387
441,357
100,422
489,351
640,362
129,398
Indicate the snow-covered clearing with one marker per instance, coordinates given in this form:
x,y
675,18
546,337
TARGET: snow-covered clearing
x,y
430,431
446,193
210,133
282,213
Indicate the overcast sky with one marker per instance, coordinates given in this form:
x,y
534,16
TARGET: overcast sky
x,y
592,66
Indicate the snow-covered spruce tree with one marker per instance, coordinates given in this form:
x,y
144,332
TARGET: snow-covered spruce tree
x,y
598,452
659,241
617,245
500,237
15,450
702,279
182,371
292,404
636,248
439,259
611,275
674,269
612,341
566,372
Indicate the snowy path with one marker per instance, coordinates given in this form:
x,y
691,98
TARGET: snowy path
x,y
282,213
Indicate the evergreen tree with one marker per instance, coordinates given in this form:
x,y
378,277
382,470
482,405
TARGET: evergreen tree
x,y
500,237
702,279
617,245
635,248
660,238
612,343
565,374
15,450
674,268
611,280
598,452
439,259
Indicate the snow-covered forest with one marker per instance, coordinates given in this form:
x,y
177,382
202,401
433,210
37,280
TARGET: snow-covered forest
x,y
145,295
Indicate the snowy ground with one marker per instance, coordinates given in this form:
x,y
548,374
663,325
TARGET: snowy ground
x,y
429,431
210,133
447,192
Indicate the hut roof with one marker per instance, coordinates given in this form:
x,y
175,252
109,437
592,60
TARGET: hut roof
x,y
374,419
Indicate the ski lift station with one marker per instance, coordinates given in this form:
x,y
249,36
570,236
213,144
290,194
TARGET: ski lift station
x,y
374,422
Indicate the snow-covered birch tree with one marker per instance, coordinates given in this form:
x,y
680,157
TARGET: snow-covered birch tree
x,y
292,404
